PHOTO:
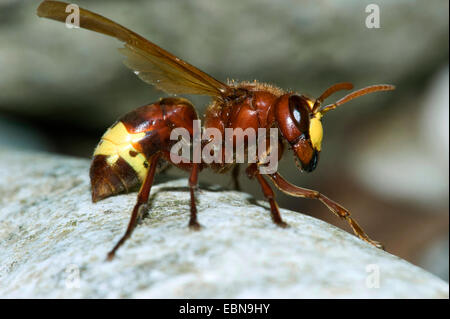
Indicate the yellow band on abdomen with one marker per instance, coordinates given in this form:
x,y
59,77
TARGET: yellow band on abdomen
x,y
117,142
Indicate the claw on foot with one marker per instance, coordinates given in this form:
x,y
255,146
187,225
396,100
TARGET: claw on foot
x,y
282,224
110,256
195,226
378,245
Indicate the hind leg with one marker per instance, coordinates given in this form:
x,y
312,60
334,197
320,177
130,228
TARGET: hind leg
x,y
142,199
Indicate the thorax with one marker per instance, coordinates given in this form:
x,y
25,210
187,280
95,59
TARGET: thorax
x,y
251,109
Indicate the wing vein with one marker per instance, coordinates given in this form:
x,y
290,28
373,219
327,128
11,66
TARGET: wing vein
x,y
153,64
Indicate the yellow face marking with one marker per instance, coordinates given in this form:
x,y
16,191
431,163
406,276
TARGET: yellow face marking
x,y
117,142
316,131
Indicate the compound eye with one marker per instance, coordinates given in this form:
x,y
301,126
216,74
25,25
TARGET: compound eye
x,y
300,112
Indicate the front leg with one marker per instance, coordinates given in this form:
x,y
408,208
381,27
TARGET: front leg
x,y
252,171
334,207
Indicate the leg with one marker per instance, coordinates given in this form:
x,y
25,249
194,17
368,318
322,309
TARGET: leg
x,y
235,176
193,179
252,171
142,199
334,207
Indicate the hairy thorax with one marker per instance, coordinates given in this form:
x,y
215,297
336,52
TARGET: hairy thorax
x,y
252,107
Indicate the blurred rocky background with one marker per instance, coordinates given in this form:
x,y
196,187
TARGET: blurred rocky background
x,y
385,156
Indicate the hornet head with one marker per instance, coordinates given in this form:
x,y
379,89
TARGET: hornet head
x,y
299,120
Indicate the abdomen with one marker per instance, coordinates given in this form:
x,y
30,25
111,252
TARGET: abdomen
x,y
121,159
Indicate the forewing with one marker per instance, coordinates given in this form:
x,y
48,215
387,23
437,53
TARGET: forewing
x,y
152,69
151,63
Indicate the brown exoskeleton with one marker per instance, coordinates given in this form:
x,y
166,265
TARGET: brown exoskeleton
x,y
129,151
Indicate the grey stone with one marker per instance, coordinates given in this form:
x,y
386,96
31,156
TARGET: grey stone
x,y
53,243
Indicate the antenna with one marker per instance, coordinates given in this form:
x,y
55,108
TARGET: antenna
x,y
358,93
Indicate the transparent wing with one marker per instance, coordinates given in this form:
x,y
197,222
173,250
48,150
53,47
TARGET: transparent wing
x,y
151,63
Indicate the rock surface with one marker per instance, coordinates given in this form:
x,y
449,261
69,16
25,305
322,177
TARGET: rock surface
x,y
53,243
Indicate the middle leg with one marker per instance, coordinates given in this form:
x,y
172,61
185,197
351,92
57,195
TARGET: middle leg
x,y
193,180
